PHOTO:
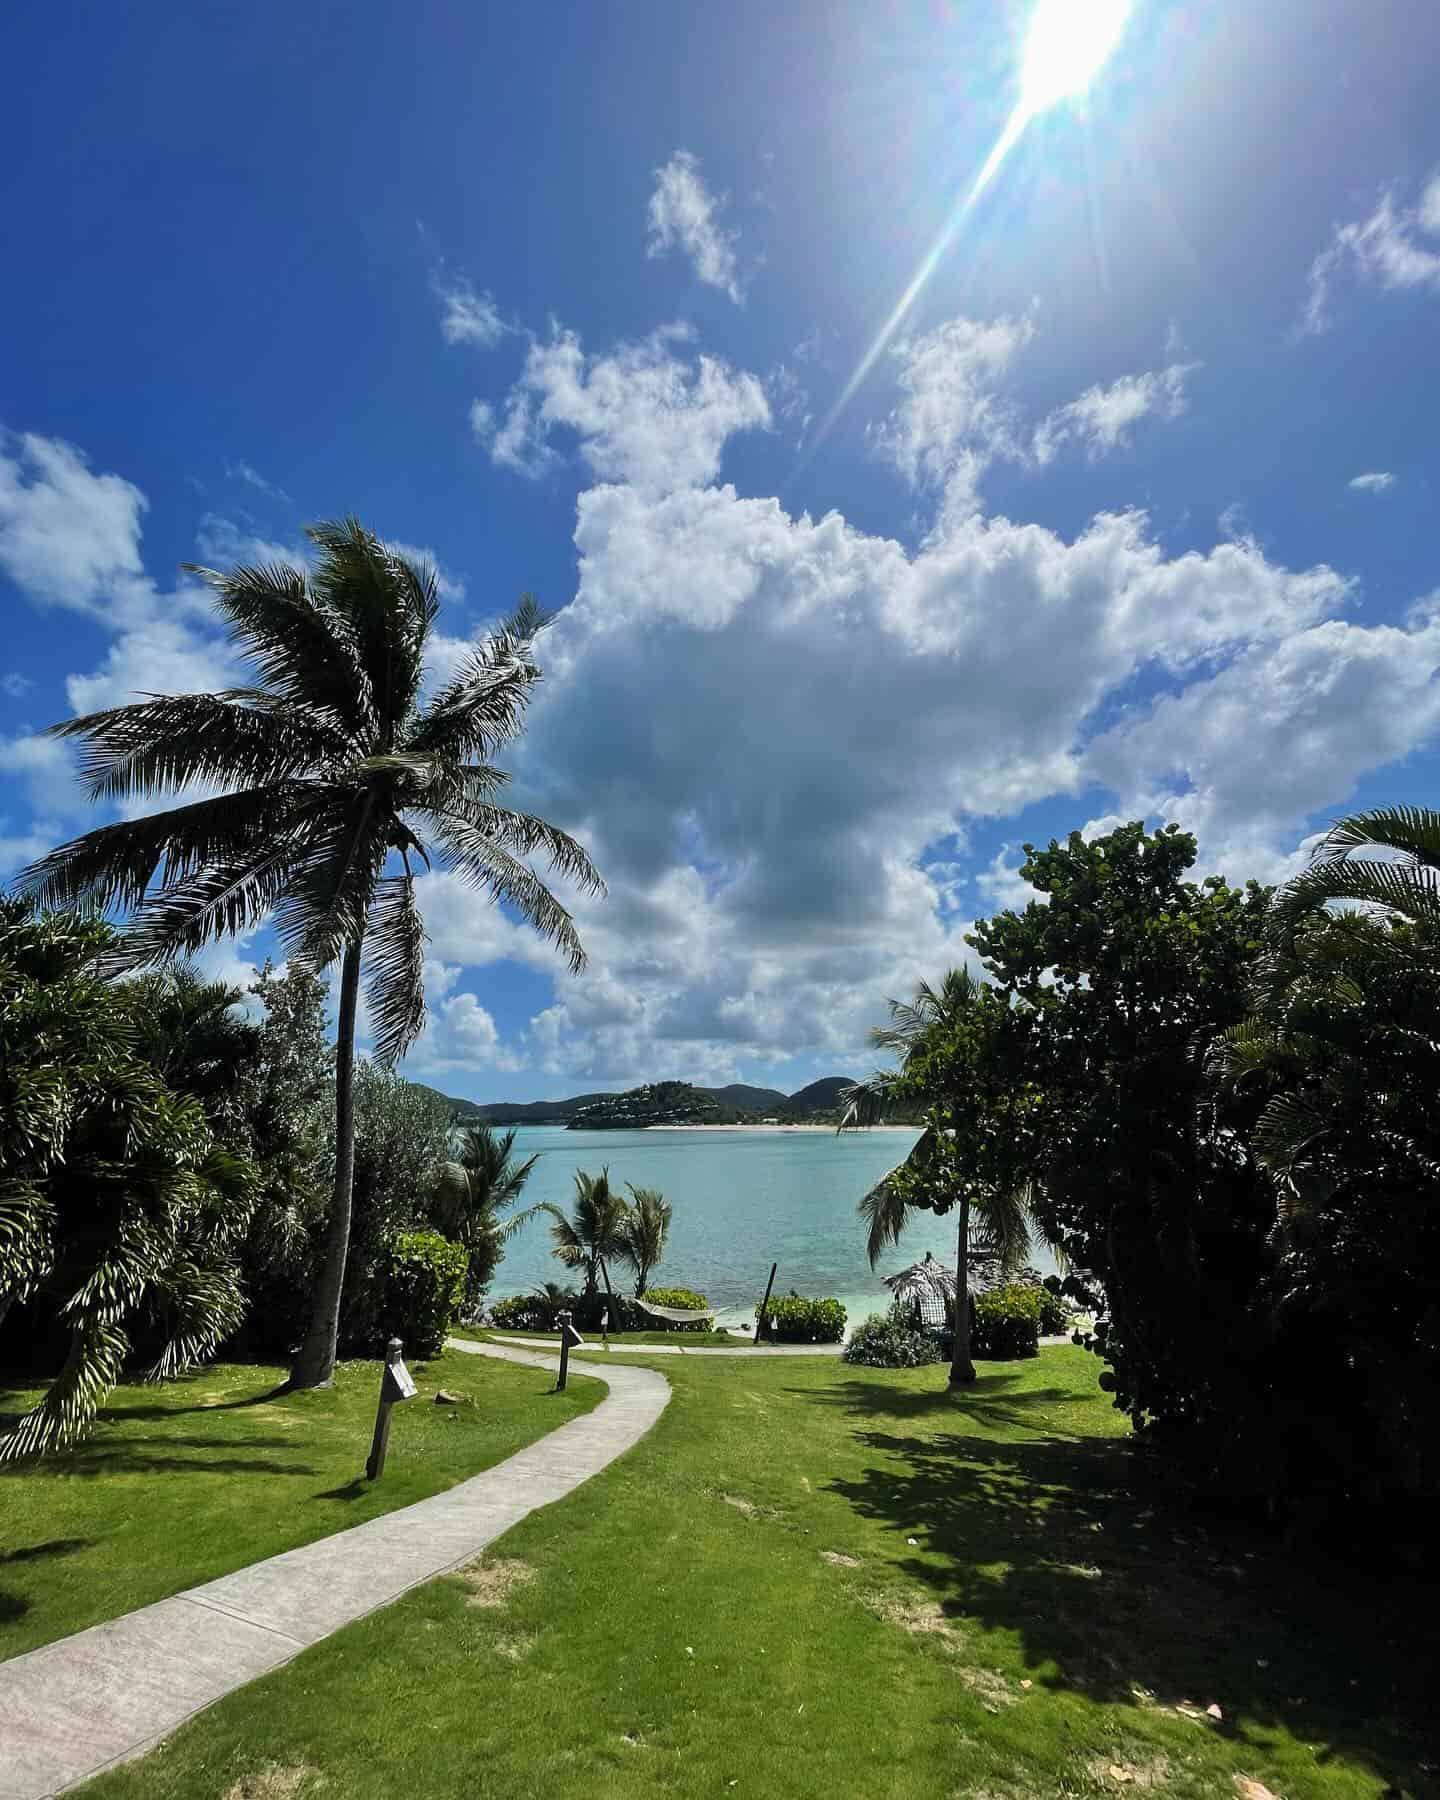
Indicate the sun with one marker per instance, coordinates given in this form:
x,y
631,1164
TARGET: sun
x,y
1068,43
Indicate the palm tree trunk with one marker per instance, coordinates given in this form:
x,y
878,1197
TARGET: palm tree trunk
x,y
962,1370
315,1365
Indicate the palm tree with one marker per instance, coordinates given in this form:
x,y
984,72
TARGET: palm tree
x,y
644,1233
472,1192
336,779
966,1155
592,1235
1403,880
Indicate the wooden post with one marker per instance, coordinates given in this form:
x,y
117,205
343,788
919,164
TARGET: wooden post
x,y
562,1319
380,1443
760,1322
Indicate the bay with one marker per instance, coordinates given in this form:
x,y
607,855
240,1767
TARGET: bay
x,y
743,1199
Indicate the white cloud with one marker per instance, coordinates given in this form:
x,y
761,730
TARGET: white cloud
x,y
644,414
161,656
15,685
1384,249
482,421
242,471
1102,416
467,317
683,216
222,541
45,768
449,586
69,537
1379,482
459,1035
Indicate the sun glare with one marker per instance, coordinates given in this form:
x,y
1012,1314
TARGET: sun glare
x,y
1069,42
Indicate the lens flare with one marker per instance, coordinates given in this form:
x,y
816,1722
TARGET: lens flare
x,y
1066,47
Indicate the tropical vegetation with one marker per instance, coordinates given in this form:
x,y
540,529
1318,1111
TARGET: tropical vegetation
x,y
338,777
473,1191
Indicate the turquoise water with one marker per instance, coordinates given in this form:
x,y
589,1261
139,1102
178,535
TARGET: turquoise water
x,y
742,1199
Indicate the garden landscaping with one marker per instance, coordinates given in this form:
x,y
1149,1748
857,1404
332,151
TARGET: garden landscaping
x,y
189,1480
813,1579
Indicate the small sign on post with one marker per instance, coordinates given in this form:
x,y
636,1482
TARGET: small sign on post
x,y
568,1336
396,1383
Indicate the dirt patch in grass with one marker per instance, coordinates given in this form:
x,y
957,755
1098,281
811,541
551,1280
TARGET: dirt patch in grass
x,y
276,1781
492,1583
1138,1777
913,1613
840,1560
990,1688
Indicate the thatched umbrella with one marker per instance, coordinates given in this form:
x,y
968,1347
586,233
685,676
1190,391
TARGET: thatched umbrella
x,y
931,1286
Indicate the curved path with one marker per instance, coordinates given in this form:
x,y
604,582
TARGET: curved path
x,y
75,1707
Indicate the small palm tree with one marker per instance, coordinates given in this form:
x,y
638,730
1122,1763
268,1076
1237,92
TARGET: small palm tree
x,y
644,1233
337,777
472,1192
592,1235
965,1155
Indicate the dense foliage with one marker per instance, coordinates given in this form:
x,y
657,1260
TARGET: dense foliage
x,y
793,1319
470,1196
1006,1322
891,1340
684,1299
421,1282
120,1207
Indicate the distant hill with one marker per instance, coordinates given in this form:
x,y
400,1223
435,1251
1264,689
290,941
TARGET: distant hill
x,y
821,1096
739,1103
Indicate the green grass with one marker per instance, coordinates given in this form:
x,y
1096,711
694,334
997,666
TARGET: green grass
x,y
813,1580
187,1481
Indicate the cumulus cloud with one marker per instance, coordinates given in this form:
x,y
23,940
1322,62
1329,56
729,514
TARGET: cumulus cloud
x,y
1379,482
683,216
68,536
1393,247
647,414
467,317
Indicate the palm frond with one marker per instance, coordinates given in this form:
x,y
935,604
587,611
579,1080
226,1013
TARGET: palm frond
x,y
487,865
395,967
482,706
1413,830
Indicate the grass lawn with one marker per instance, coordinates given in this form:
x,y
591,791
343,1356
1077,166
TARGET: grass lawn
x,y
813,1580
187,1481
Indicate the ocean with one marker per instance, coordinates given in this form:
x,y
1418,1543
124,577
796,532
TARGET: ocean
x,y
743,1199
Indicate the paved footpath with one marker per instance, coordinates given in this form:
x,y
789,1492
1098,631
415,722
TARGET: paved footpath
x,y
72,1708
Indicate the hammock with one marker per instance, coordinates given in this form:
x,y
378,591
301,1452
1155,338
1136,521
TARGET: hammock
x,y
676,1314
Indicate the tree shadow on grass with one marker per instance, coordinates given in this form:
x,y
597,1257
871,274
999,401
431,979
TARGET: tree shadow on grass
x,y
1066,1543
15,1606
128,1459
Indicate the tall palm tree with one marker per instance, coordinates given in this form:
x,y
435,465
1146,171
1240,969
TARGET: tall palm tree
x,y
472,1191
592,1234
337,777
965,1155
645,1232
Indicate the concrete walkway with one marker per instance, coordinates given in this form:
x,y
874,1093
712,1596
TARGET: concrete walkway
x,y
593,1346
72,1708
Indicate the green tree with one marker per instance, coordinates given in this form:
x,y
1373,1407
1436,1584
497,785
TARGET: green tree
x,y
338,777
1130,971
963,1055
645,1232
119,1207
1403,881
471,1193
592,1234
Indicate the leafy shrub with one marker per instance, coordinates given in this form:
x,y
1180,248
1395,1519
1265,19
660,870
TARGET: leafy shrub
x,y
422,1284
1055,1315
530,1312
686,1298
796,1320
890,1341
1006,1322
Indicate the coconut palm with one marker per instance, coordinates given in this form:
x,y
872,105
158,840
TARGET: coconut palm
x,y
470,1194
644,1233
592,1234
337,778
957,1051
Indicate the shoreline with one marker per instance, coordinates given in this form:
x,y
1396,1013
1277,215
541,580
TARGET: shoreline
x,y
771,1128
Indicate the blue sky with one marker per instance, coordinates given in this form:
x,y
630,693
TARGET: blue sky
x,y
562,295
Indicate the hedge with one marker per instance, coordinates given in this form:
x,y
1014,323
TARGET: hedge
x,y
796,1320
1006,1322
422,1285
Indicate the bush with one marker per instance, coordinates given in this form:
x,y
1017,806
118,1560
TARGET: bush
x,y
1006,1322
422,1285
796,1320
890,1341
685,1298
